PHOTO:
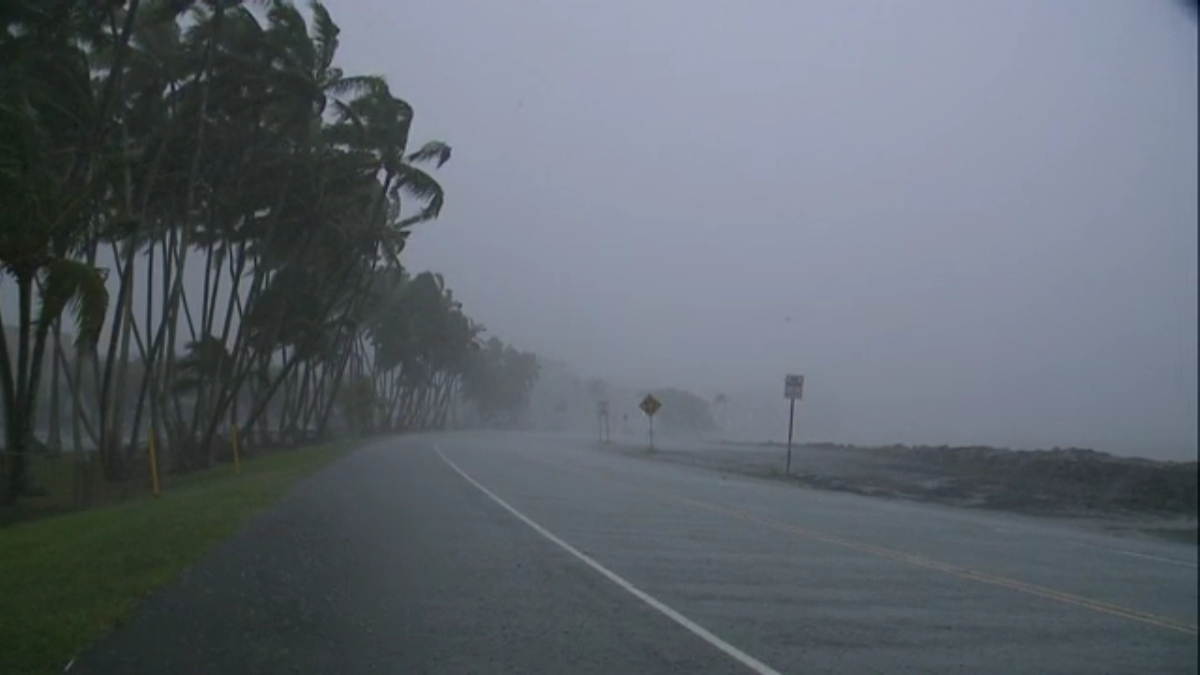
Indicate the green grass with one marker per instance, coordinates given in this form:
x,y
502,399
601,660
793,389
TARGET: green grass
x,y
66,580
56,478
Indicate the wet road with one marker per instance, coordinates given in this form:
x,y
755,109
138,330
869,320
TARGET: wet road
x,y
508,553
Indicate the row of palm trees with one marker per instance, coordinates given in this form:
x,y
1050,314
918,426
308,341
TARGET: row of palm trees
x,y
220,211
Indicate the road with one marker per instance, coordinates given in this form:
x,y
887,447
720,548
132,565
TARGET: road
x,y
511,553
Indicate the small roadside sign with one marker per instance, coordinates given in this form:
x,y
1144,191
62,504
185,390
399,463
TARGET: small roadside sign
x,y
650,405
793,390
793,386
602,421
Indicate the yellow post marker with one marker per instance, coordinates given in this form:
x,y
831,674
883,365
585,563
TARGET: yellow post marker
x,y
153,465
237,460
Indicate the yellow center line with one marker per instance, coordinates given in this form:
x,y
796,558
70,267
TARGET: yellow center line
x,y
907,558
918,561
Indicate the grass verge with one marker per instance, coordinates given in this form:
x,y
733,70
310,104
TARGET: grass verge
x,y
66,580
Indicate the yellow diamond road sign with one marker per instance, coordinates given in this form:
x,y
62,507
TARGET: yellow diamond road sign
x,y
650,405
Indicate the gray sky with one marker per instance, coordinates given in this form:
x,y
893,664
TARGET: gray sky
x,y
981,216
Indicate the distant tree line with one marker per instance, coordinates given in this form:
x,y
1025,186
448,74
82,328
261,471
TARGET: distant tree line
x,y
684,412
140,139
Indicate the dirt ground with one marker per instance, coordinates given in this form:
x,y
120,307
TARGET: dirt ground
x,y
1144,496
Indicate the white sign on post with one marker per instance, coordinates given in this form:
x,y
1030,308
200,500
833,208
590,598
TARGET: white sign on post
x,y
793,390
793,387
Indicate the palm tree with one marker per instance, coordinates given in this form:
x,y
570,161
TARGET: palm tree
x,y
171,134
46,104
499,382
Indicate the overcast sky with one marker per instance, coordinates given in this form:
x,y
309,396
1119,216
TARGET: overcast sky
x,y
979,216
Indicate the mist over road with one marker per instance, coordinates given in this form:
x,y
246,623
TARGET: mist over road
x,y
505,553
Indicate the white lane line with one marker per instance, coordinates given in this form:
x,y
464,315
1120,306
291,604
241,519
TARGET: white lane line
x,y
1135,554
738,655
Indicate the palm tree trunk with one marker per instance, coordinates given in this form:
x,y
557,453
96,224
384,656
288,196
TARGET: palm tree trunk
x,y
149,356
175,297
120,402
261,405
54,439
81,482
8,388
73,373
109,454
330,401
15,404
205,328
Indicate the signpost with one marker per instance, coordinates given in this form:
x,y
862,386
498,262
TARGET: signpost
x,y
650,405
793,390
602,421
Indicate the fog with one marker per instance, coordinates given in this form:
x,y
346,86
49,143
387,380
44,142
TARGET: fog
x,y
965,221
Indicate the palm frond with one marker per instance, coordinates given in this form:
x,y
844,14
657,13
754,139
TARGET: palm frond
x,y
432,151
206,359
289,29
75,284
356,85
347,114
244,20
163,11
324,36
401,111
420,185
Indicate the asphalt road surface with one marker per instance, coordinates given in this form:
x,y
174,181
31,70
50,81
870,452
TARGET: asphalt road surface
x,y
511,553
